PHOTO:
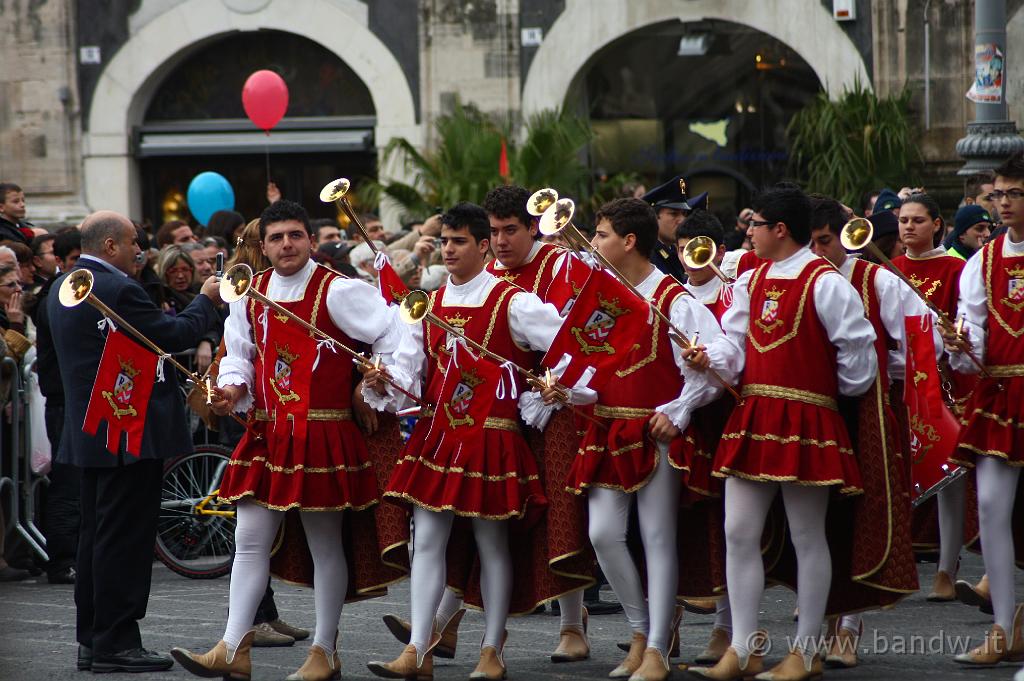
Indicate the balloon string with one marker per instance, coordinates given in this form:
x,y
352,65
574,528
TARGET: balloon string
x,y
266,149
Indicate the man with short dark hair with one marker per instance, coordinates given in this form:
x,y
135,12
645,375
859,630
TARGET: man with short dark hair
x,y
13,224
670,203
174,232
67,247
120,495
43,258
977,189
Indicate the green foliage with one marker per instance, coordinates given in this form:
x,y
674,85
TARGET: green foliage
x,y
855,144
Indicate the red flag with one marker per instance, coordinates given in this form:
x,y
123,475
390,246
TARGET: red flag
x,y
503,160
567,284
467,393
933,428
391,285
604,323
120,394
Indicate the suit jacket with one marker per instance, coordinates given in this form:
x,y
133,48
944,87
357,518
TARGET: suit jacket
x,y
665,259
79,344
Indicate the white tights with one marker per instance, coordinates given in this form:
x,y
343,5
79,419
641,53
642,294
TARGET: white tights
x,y
746,508
254,535
997,490
657,508
430,542
951,525
570,606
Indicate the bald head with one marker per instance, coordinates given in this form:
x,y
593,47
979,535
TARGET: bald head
x,y
111,237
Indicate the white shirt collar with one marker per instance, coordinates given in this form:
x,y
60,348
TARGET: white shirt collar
x,y
706,292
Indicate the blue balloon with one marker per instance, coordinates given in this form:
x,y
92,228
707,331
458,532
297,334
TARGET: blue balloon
x,y
209,192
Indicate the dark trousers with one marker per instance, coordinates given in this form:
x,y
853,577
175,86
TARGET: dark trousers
x,y
63,496
267,610
120,507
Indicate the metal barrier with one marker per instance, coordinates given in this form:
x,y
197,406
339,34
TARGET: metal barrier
x,y
24,485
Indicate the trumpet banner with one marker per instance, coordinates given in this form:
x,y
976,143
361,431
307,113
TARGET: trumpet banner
x,y
933,428
120,394
469,389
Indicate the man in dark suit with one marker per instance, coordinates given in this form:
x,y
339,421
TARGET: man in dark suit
x,y
120,493
672,205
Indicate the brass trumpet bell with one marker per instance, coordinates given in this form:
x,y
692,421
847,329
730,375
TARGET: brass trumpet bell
x,y
540,201
235,283
698,252
557,216
856,234
335,189
75,288
414,307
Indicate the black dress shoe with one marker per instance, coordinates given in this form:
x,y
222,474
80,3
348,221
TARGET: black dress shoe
x,y
84,658
134,660
600,607
13,574
64,576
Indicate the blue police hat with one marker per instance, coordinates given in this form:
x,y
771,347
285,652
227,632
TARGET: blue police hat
x,y
699,202
672,194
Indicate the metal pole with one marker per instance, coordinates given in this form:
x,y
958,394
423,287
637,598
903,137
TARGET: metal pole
x,y
927,69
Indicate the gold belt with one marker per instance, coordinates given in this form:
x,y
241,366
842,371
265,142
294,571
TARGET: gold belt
x,y
806,396
1005,370
621,412
490,422
312,415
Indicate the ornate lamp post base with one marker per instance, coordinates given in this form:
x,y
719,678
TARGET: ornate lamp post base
x,y
987,144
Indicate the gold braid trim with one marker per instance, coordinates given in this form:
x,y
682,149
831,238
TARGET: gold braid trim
x,y
1005,423
988,255
805,396
316,301
655,330
288,470
1005,370
465,514
985,452
493,422
823,268
494,313
621,412
552,252
250,496
311,415
788,440
464,473
730,473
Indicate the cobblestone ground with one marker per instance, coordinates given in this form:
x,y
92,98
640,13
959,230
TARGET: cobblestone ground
x,y
916,640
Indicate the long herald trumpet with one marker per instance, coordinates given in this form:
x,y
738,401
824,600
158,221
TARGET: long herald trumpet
x,y
77,289
237,283
700,252
335,191
856,236
556,218
415,307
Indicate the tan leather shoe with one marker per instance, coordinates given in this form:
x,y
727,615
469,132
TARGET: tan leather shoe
x,y
265,636
637,646
217,662
319,666
993,650
653,667
977,595
573,644
943,590
716,647
402,630
842,651
411,664
282,627
731,668
491,666
701,606
794,667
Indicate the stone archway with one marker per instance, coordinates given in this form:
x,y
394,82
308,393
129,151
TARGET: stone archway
x,y
587,26
159,44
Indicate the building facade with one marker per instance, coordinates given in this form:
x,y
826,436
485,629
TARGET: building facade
x,y
118,103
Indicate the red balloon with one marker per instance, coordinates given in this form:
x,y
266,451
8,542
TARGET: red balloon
x,y
265,98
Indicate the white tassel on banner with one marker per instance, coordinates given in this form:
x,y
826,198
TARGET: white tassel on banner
x,y
160,368
509,371
105,323
320,344
380,260
263,322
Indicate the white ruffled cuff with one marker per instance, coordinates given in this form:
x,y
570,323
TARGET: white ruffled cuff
x,y
535,412
224,379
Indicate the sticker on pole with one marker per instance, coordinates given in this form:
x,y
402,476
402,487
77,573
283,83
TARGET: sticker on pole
x,y
988,74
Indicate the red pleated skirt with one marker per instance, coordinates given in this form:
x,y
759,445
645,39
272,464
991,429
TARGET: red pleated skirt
x,y
332,472
496,480
993,423
778,440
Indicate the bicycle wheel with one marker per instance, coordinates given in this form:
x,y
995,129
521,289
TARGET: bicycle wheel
x,y
191,540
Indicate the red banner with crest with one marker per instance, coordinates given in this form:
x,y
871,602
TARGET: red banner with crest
x,y
602,327
120,394
391,285
567,284
469,389
933,428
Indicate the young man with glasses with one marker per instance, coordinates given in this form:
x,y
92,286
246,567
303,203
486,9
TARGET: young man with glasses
x,y
992,440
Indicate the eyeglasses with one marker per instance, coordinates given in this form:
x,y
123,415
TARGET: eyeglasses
x,y
1015,194
763,223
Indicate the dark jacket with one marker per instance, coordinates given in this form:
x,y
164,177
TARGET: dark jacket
x,y
11,231
665,259
46,355
79,344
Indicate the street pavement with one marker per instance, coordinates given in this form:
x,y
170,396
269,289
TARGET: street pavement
x,y
915,640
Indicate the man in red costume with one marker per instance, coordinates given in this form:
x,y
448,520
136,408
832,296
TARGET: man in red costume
x,y
787,435
304,451
992,439
489,482
640,448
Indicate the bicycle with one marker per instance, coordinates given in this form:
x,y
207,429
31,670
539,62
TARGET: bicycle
x,y
195,531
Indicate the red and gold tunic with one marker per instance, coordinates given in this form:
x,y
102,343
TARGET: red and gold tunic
x,y
497,480
748,261
621,455
309,453
994,418
535,275
788,428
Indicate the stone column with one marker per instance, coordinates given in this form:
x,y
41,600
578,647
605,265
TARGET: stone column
x,y
991,138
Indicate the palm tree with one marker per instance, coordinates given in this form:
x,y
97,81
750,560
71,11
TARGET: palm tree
x,y
855,144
